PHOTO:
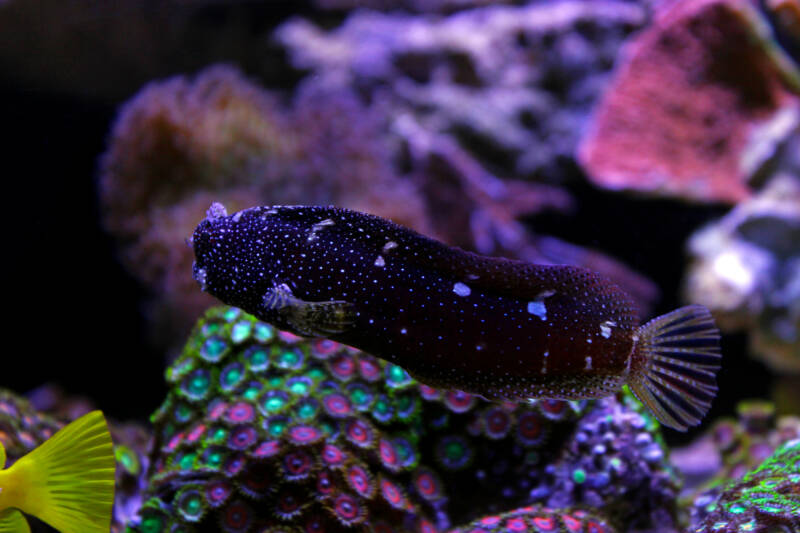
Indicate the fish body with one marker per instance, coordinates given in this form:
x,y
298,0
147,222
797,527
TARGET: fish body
x,y
67,482
503,329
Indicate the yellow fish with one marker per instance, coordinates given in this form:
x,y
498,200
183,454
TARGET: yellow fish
x,y
67,482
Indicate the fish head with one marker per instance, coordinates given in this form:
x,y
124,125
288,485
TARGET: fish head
x,y
235,258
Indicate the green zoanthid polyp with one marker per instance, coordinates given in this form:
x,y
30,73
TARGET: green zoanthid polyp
x,y
503,329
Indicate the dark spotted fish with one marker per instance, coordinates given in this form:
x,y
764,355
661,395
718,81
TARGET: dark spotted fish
x,y
503,329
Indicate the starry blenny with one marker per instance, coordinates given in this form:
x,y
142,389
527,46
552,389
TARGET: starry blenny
x,y
503,329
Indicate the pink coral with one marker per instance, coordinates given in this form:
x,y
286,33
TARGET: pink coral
x,y
684,110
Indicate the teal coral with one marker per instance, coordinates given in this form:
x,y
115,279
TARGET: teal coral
x,y
262,429
730,449
766,499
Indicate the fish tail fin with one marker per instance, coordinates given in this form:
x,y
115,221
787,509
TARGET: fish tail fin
x,y
675,363
68,481
12,521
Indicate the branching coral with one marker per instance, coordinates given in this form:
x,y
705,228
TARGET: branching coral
x,y
467,101
489,78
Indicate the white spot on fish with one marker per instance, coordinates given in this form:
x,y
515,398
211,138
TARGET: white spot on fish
x,y
200,275
544,362
589,340
588,364
461,289
379,262
404,331
537,307
605,328
312,234
389,245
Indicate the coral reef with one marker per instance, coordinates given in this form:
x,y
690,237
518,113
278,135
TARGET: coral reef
x,y
263,429
173,146
182,143
727,451
422,130
414,6
538,519
746,269
615,462
488,78
468,101
689,114
766,499
22,427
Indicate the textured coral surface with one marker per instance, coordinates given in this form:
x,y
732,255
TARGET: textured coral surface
x,y
682,112
263,429
766,499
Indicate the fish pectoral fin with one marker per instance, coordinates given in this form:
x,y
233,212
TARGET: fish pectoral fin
x,y
13,521
320,319
280,297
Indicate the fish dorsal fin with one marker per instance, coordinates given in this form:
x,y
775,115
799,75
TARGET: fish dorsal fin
x,y
12,521
70,477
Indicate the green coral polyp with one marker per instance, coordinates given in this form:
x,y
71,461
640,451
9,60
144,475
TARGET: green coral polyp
x,y
213,349
270,406
771,490
257,359
241,331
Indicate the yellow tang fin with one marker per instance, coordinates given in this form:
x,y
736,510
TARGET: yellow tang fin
x,y
12,521
68,481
